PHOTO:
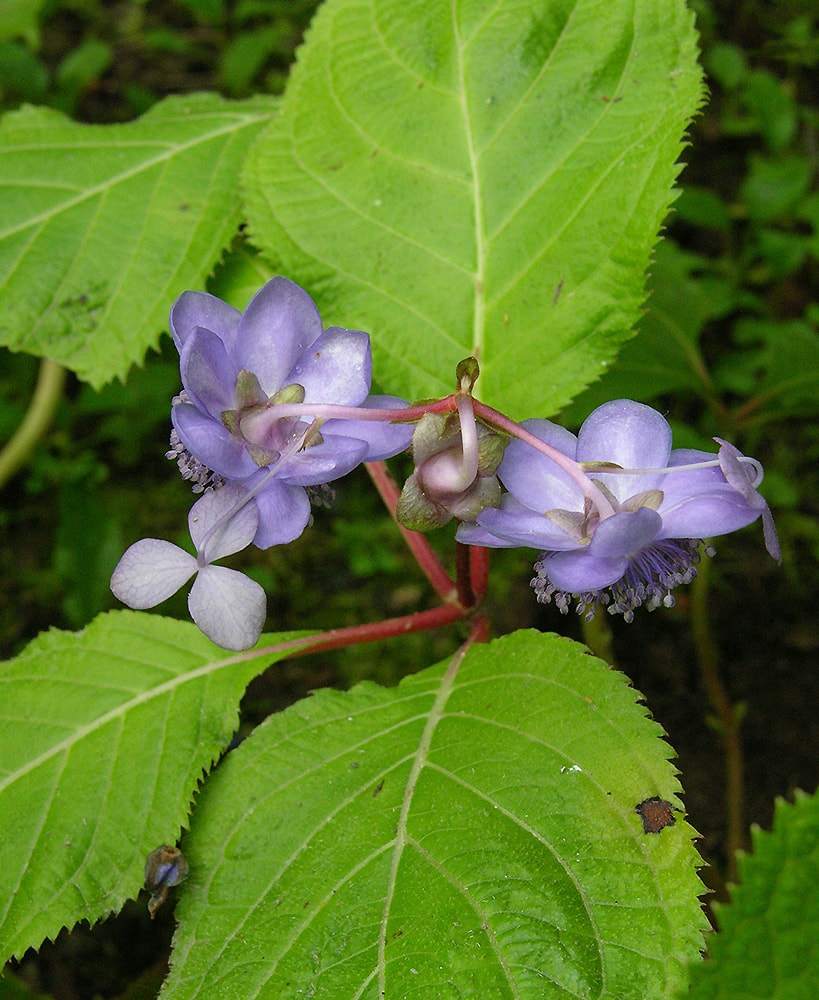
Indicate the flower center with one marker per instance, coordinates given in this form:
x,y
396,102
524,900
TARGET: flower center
x,y
254,422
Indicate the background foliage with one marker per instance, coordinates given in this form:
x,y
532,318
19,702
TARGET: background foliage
x,y
728,345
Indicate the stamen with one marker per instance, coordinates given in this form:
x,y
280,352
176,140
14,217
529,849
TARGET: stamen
x,y
191,468
321,496
650,577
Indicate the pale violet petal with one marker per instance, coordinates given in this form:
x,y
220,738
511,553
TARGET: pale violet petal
x,y
228,607
238,529
149,572
322,463
533,478
336,368
578,572
703,515
279,323
208,374
284,513
211,443
630,434
193,309
514,524
625,533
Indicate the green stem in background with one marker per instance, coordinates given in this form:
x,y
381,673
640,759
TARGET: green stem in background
x,y
37,420
727,718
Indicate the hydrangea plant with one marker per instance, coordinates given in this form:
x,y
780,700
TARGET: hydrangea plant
x,y
619,514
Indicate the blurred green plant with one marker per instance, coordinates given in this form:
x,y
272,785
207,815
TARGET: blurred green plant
x,y
105,62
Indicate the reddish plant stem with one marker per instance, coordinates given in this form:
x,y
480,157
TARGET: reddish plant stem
x,y
479,629
478,570
463,576
336,638
425,557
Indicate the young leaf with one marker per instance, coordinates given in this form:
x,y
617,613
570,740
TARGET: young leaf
x,y
766,944
104,225
470,833
104,737
479,179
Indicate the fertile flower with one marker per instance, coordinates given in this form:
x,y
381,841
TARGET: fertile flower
x,y
629,535
227,606
238,367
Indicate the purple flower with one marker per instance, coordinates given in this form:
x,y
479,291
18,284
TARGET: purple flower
x,y
227,606
237,367
620,539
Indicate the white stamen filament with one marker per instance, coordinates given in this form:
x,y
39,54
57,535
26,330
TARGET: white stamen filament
x,y
616,470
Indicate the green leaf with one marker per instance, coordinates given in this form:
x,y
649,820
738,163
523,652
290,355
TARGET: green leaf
x,y
22,74
665,355
780,368
700,206
13,988
104,225
82,65
773,188
479,179
727,64
20,19
773,107
104,737
469,833
766,946
240,275
245,55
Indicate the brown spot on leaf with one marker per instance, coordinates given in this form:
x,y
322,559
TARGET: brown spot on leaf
x,y
656,814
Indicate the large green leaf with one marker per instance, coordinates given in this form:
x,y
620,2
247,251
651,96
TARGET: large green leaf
x,y
665,355
471,833
480,178
104,737
767,947
104,225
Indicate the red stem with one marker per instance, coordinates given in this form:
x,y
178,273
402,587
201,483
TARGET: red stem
x,y
459,599
463,576
479,629
478,570
336,638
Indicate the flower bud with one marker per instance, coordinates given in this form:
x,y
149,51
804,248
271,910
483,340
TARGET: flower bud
x,y
447,483
164,867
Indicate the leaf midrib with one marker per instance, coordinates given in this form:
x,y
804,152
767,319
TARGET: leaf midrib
x,y
120,711
443,694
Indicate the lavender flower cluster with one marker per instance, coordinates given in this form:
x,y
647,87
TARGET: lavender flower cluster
x,y
274,407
